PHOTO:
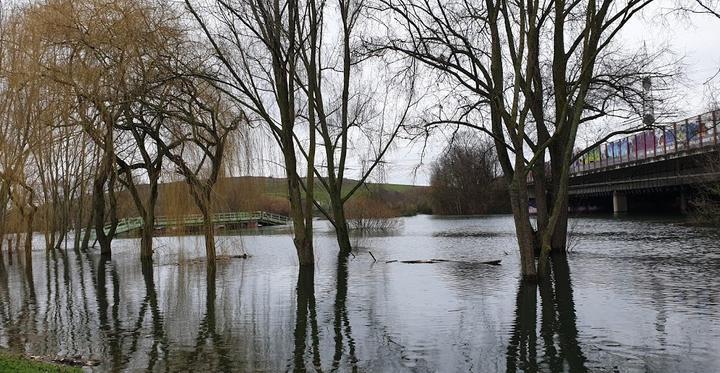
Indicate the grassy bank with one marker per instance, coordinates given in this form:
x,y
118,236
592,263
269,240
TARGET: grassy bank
x,y
270,194
15,363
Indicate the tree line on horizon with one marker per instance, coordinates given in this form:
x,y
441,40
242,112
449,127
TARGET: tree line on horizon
x,y
101,96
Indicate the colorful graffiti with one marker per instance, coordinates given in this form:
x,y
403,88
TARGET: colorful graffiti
x,y
698,131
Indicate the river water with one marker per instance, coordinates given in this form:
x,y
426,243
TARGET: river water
x,y
635,295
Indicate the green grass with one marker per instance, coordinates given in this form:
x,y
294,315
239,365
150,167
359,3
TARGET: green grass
x,y
16,363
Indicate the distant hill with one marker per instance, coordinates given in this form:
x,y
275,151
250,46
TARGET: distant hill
x,y
252,193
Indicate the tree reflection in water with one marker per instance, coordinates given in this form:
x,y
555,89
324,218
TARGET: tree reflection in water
x,y
306,313
306,321
341,322
210,347
558,329
158,331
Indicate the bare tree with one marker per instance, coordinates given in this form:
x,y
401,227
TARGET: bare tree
x,y
339,106
257,45
535,71
466,178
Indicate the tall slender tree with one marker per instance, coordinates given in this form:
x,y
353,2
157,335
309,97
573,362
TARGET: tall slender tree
x,y
257,45
341,109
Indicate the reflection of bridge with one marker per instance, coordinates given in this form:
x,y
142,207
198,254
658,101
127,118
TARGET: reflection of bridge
x,y
654,170
228,220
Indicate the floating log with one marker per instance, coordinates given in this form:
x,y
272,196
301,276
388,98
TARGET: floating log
x,y
492,262
433,261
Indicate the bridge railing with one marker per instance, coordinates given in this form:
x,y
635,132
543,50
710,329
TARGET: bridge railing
x,y
273,217
127,224
693,133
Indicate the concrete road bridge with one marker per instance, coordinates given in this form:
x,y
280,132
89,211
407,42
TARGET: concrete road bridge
x,y
655,170
190,223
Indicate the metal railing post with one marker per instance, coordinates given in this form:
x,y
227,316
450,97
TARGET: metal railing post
x,y
636,147
654,139
715,126
700,129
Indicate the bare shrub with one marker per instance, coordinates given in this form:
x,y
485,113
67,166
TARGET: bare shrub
x,y
467,180
369,214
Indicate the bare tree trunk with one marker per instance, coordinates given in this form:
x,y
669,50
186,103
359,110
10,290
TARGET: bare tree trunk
x,y
79,217
146,236
521,215
148,229
209,231
28,237
342,232
88,229
105,175
558,240
302,240
541,204
99,214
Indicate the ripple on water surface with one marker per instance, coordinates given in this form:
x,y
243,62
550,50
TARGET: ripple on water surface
x,y
636,295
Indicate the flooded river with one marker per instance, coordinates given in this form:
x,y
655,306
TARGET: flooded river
x,y
636,295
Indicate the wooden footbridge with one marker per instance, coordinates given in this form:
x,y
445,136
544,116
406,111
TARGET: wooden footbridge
x,y
227,220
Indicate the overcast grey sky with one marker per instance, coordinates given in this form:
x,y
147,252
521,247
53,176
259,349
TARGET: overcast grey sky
x,y
696,40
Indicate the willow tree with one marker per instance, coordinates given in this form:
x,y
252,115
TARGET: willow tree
x,y
23,112
201,127
110,56
534,71
83,56
151,34
256,43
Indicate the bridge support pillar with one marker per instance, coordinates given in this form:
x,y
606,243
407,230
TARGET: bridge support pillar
x,y
620,204
683,201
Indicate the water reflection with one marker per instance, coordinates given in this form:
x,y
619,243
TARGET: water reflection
x,y
351,313
558,333
341,324
210,346
307,354
306,317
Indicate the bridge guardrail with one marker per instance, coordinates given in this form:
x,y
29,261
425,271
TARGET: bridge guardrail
x,y
696,133
693,133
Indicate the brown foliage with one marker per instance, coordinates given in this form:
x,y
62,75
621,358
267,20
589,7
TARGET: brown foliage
x,y
466,180
368,213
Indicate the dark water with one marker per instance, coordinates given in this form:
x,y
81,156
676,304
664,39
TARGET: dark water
x,y
638,295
